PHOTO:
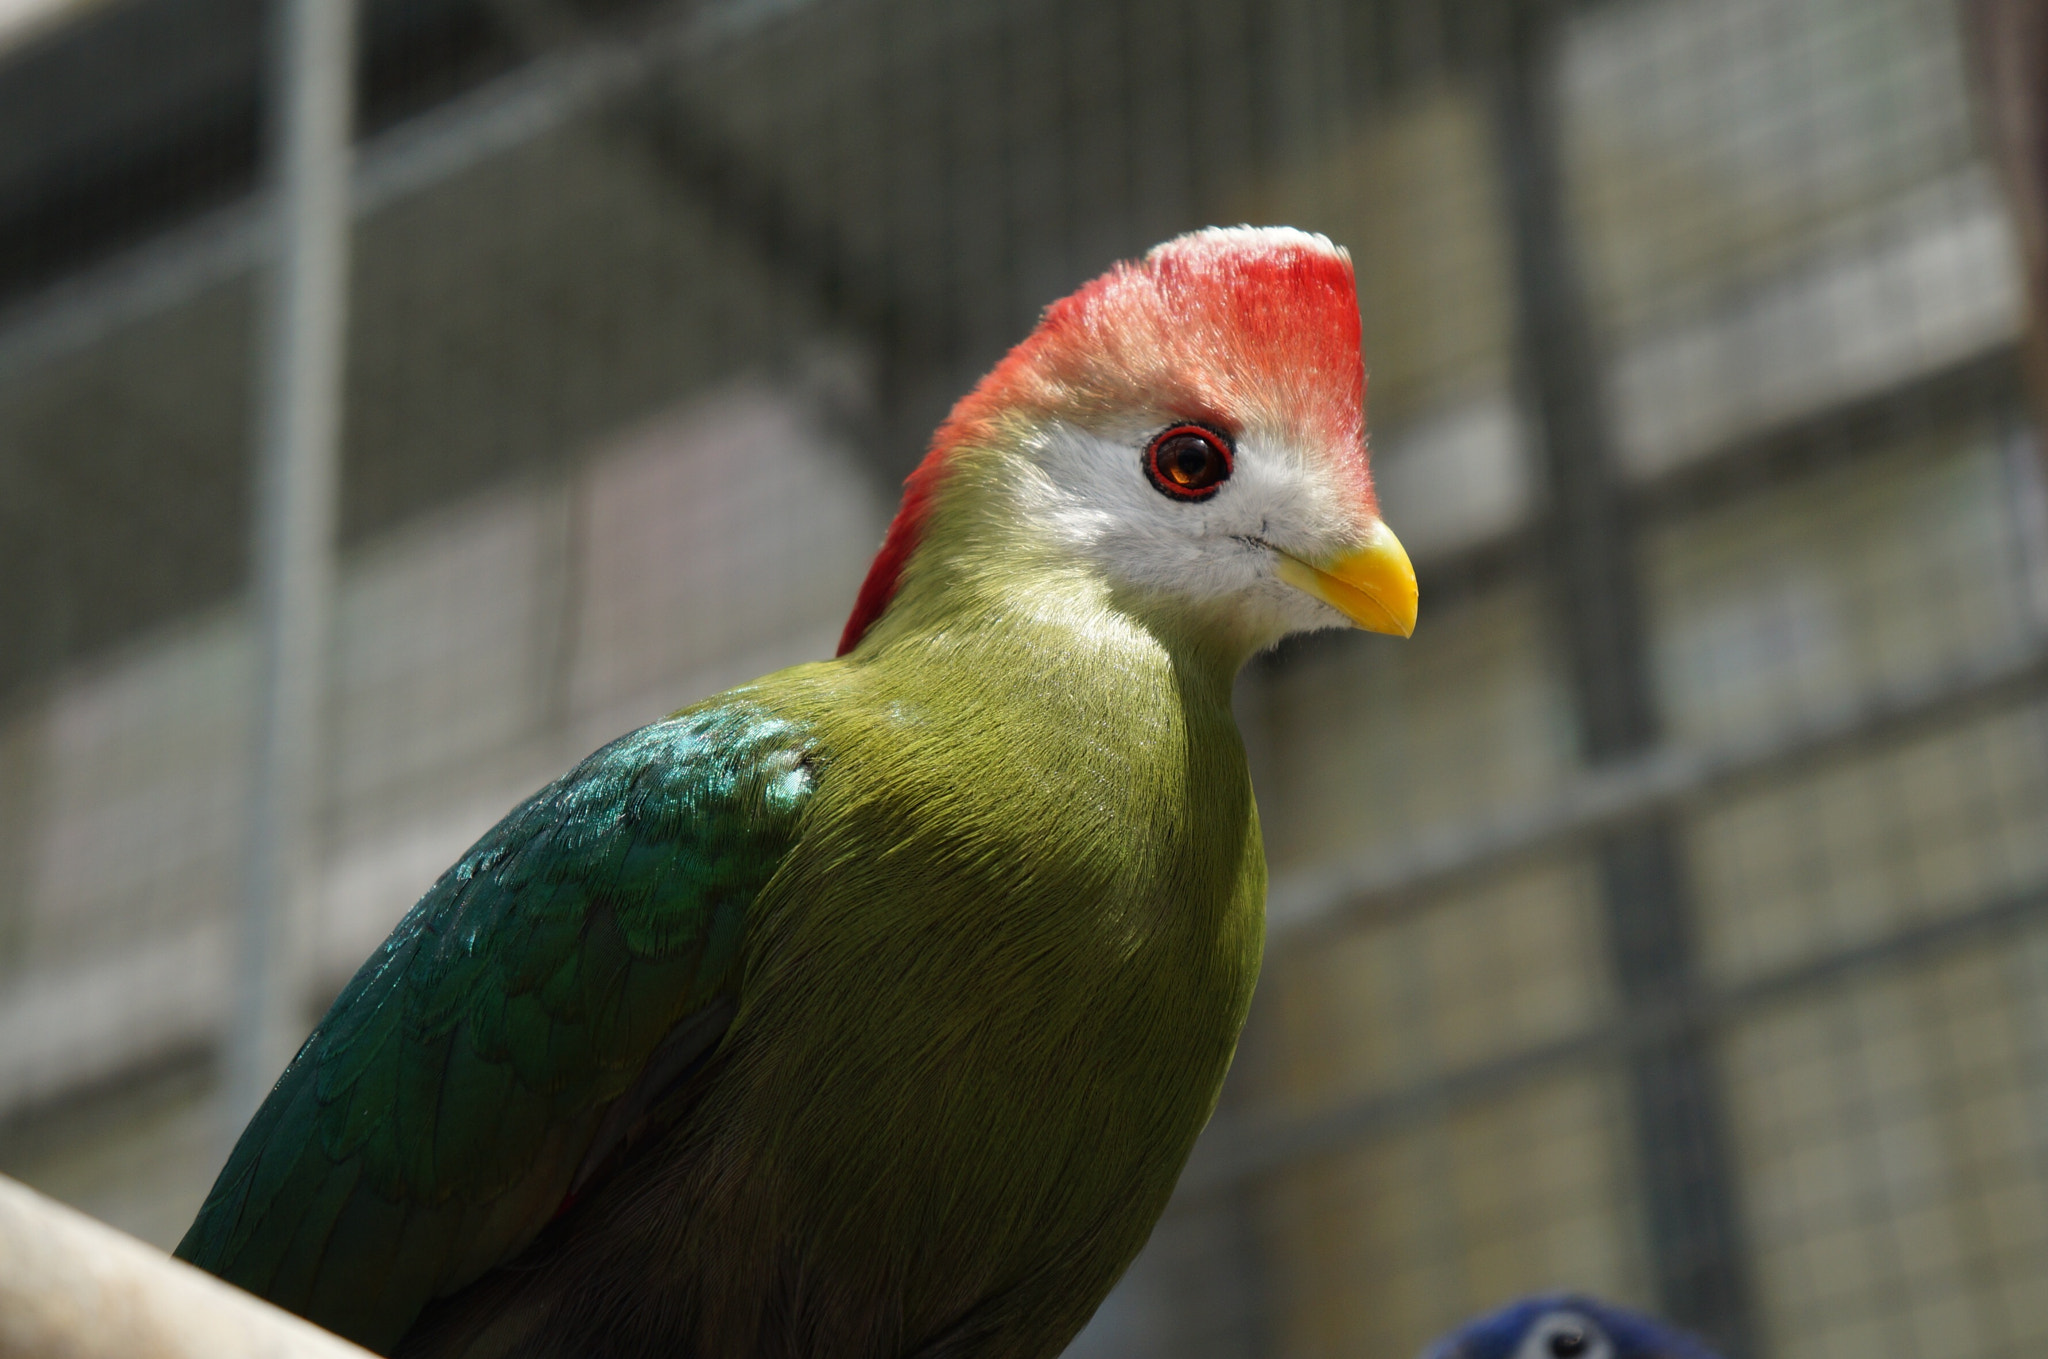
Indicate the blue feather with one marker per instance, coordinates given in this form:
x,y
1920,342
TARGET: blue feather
x,y
1566,1326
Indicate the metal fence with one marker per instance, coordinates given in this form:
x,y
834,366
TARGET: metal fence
x,y
1668,918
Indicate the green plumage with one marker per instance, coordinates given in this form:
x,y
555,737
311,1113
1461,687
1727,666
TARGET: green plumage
x,y
983,902
433,1122
869,1011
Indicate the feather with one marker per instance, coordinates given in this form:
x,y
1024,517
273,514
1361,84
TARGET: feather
x,y
873,1008
508,1005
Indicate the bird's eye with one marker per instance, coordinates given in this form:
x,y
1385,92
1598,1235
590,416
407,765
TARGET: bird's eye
x,y
1569,1343
1188,462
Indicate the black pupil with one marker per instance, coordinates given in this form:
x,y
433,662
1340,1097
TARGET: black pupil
x,y
1568,1343
1190,460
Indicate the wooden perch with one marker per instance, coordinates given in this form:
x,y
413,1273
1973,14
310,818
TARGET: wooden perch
x,y
74,1288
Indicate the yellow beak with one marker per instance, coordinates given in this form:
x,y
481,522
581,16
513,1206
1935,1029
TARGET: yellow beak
x,y
1373,586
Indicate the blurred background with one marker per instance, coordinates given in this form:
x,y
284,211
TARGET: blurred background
x,y
1668,918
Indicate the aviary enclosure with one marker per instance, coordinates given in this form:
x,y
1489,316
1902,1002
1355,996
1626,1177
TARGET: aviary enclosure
x,y
1667,919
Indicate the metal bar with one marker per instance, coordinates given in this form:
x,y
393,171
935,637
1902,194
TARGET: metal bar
x,y
1693,1231
299,428
1234,1152
423,152
678,140
1988,382
165,1014
2008,45
1307,906
1771,454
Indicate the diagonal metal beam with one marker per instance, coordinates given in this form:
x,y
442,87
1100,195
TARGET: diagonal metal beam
x,y
1233,1152
509,112
754,208
1308,906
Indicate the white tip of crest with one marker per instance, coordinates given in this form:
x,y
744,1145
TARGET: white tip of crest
x,y
1248,239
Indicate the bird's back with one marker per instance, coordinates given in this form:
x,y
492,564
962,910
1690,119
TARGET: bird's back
x,y
977,1037
873,1009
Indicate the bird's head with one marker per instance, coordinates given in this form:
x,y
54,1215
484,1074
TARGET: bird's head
x,y
1566,1326
1184,435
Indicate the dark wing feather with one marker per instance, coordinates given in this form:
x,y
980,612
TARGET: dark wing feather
x,y
472,1070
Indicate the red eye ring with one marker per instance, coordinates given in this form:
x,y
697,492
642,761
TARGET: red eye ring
x,y
1188,462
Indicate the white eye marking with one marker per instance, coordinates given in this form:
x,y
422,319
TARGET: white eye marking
x,y
1565,1335
1097,498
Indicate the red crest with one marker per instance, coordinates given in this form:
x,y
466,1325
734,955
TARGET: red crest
x,y
1236,327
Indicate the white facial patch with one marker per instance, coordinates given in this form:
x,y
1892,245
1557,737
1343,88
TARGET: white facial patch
x,y
1089,492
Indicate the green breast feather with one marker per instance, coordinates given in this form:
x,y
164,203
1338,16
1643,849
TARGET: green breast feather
x,y
577,961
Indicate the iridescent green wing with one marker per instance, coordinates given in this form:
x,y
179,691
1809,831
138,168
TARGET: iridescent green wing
x,y
577,958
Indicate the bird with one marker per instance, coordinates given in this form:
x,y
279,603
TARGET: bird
x,y
1566,1326
871,1008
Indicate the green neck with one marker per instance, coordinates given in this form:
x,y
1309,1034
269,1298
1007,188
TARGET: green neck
x,y
987,570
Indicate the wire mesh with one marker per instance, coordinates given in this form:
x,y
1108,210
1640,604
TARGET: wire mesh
x,y
1668,918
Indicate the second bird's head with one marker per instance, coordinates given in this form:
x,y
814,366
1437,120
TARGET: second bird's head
x,y
1185,433
1567,1326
